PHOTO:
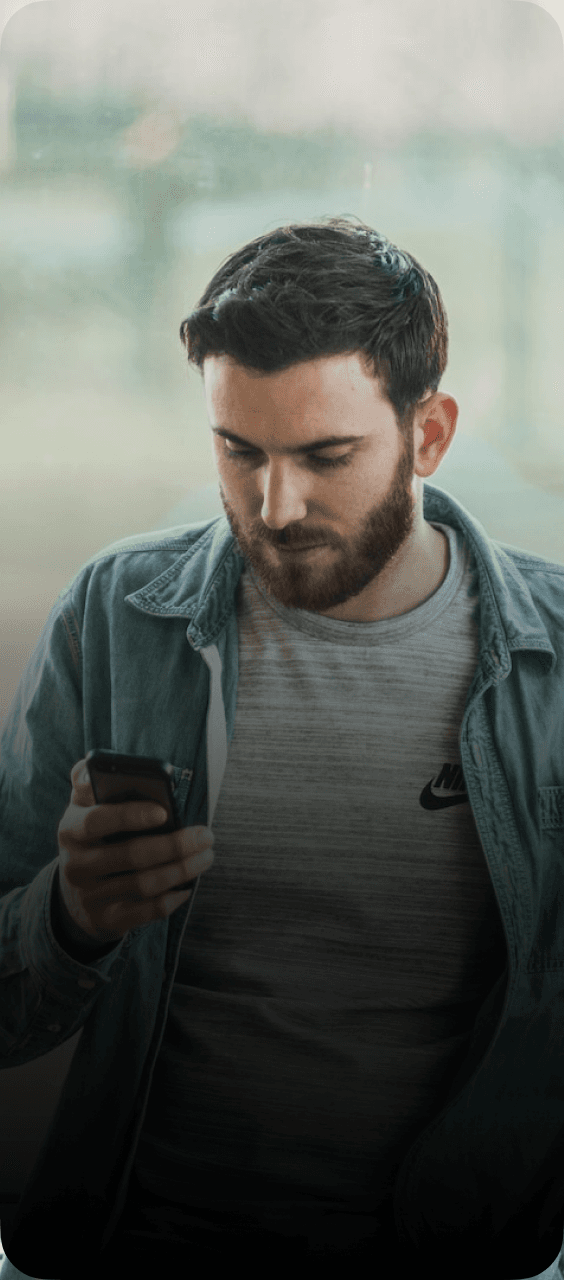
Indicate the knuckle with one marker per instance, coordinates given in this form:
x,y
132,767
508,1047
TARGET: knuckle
x,y
89,827
63,830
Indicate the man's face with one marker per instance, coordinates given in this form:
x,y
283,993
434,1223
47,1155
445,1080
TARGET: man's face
x,y
354,500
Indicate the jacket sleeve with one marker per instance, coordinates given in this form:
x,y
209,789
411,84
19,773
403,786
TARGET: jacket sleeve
x,y
45,995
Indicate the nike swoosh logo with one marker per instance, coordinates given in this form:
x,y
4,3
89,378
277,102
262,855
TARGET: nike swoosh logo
x,y
428,800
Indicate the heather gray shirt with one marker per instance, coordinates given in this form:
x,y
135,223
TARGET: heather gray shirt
x,y
348,930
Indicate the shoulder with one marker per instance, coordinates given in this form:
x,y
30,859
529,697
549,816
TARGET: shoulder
x,y
133,562
538,570
171,542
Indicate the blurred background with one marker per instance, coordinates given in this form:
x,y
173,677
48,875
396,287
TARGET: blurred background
x,y
140,144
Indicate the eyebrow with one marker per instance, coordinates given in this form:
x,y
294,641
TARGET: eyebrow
x,y
326,443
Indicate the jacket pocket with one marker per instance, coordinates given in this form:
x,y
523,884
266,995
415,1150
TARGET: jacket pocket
x,y
551,808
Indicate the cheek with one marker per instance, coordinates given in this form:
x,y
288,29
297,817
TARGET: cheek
x,y
230,480
357,489
242,495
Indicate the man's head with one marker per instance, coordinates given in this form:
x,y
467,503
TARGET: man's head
x,y
308,333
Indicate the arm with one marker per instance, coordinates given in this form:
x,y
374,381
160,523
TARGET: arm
x,y
42,1001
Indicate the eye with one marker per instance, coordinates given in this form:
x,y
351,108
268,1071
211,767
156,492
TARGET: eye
x,y
237,453
341,461
314,459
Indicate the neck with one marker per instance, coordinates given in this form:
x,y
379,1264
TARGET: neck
x,y
413,575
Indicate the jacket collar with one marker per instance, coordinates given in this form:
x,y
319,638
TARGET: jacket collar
x,y
199,585
508,617
201,582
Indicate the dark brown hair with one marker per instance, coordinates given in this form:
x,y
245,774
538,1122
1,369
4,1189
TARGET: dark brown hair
x,y
321,289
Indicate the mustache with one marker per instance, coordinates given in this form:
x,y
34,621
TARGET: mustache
x,y
288,537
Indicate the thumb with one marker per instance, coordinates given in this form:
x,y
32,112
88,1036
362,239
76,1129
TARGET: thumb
x,y
82,793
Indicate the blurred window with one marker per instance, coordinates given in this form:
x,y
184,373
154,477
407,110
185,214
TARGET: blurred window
x,y
141,144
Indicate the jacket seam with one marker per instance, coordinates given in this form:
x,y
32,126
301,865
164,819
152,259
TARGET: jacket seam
x,y
73,635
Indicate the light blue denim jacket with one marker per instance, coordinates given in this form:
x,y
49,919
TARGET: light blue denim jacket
x,y
140,654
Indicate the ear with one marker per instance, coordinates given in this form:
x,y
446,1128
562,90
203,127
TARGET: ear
x,y
433,432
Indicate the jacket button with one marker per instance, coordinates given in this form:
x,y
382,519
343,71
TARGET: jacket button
x,y
86,982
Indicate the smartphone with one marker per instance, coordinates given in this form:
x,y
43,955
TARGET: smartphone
x,y
118,778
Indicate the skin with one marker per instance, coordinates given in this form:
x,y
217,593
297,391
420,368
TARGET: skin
x,y
379,557
103,891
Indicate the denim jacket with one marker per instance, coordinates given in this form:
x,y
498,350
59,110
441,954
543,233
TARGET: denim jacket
x,y
140,655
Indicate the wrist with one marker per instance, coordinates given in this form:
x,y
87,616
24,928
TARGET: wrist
x,y
74,941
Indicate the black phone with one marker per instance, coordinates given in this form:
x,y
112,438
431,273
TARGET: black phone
x,y
117,778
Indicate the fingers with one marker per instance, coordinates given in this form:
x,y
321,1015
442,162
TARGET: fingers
x,y
111,888
82,834
159,888
176,852
157,880
90,825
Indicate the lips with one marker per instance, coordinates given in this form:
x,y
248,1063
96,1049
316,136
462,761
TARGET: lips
x,y
310,547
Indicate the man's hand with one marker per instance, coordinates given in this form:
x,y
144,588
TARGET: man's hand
x,y
106,890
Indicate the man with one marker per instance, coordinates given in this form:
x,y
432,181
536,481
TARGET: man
x,y
347,1044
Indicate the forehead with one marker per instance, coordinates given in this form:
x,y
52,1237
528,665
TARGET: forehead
x,y
330,384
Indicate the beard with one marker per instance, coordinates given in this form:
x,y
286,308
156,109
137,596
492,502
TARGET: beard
x,y
308,584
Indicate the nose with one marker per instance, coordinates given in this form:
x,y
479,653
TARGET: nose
x,y
283,497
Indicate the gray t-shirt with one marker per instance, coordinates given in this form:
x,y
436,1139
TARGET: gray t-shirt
x,y
340,945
